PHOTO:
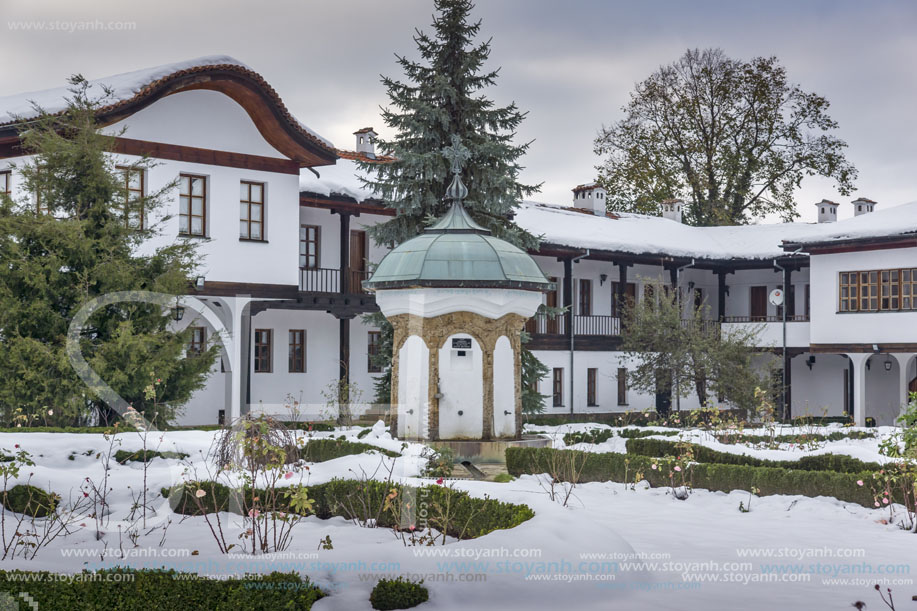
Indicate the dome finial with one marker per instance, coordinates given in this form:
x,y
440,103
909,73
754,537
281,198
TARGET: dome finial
x,y
457,154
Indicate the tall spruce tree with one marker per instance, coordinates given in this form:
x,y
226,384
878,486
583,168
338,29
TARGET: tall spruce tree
x,y
72,237
442,96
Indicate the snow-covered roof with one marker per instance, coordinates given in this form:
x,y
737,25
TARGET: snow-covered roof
x,y
882,223
640,234
338,179
124,88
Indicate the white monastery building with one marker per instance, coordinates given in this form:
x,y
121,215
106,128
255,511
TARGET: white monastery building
x,y
282,223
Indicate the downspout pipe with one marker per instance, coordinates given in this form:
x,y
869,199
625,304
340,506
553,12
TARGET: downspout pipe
x,y
573,324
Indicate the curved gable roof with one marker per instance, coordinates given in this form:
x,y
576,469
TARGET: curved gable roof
x,y
133,91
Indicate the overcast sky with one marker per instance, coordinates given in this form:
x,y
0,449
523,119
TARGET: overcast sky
x,y
571,64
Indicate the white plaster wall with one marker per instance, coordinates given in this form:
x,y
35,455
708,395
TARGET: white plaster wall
x,y
413,388
270,391
882,400
832,327
200,118
504,389
819,391
360,377
770,334
461,383
607,364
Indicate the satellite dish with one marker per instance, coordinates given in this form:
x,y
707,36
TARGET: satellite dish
x,y
776,297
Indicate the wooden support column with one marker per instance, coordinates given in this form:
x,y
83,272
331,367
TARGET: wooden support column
x,y
567,298
721,295
344,285
621,294
344,352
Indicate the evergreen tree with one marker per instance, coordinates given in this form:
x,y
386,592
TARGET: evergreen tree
x,y
72,238
442,96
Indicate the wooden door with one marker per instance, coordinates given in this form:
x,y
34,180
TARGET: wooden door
x,y
758,303
358,251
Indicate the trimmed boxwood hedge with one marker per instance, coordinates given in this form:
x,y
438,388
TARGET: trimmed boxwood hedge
x,y
121,428
769,480
125,456
398,594
320,450
798,438
822,462
32,501
602,435
140,590
474,517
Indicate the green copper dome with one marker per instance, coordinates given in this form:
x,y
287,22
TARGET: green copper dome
x,y
457,252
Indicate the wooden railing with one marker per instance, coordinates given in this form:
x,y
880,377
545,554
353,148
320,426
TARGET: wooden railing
x,y
320,280
543,325
328,280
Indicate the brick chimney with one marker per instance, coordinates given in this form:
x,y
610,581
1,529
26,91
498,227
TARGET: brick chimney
x,y
827,211
590,197
366,141
863,205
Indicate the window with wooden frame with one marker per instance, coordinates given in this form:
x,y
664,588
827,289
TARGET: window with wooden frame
x,y
309,246
849,292
558,387
192,207
585,297
198,341
909,289
373,344
869,291
622,386
134,189
6,180
251,211
263,350
592,375
884,290
890,290
297,361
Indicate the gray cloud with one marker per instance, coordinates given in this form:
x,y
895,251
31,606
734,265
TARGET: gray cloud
x,y
571,64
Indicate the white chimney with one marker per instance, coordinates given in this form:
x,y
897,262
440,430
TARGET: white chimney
x,y
590,197
366,141
672,209
863,206
827,211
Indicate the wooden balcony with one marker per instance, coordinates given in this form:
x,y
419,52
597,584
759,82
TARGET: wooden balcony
x,y
328,280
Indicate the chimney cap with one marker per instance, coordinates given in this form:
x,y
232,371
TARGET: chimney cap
x,y
674,200
365,130
863,200
587,187
826,202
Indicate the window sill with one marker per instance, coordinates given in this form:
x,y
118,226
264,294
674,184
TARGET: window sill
x,y
253,240
193,237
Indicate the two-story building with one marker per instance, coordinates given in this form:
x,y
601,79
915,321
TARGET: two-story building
x,y
281,220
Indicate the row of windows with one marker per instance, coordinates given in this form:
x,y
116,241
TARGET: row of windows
x,y
592,383
884,290
192,203
296,358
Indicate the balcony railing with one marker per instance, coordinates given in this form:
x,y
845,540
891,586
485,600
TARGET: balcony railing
x,y
596,325
328,280
543,325
789,318
320,280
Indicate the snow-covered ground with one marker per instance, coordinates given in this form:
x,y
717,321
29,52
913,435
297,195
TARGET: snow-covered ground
x,y
701,553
